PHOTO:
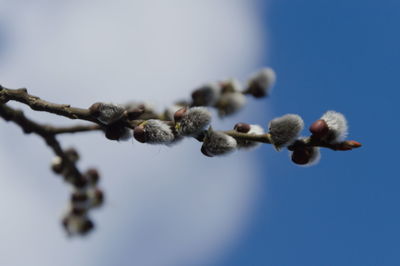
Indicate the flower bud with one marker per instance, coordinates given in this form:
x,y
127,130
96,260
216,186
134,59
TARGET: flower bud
x,y
72,154
285,130
230,85
230,102
251,130
154,132
92,176
217,143
117,131
77,225
319,128
306,156
171,110
96,197
57,165
190,122
79,183
261,83
180,113
242,127
348,145
85,227
79,200
106,113
337,125
206,95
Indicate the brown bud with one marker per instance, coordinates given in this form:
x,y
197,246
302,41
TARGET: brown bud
x,y
98,198
72,154
94,109
86,227
348,145
179,114
92,176
301,156
257,90
140,134
115,131
319,128
78,197
78,211
242,127
80,182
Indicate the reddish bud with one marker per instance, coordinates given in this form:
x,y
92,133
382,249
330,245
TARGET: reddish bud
x,y
348,145
140,134
95,109
301,156
242,127
319,128
179,114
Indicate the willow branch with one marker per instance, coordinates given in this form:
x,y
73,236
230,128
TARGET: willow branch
x,y
37,104
45,132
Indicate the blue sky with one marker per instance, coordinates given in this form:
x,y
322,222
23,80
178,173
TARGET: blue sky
x,y
344,56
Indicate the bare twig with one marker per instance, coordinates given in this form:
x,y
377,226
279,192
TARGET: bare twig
x,y
37,104
29,126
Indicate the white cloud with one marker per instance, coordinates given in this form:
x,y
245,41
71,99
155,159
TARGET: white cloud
x,y
165,206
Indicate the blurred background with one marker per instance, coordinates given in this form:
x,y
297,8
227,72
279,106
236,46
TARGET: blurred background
x,y
174,206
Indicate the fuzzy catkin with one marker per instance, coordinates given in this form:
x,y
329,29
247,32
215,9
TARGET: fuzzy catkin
x,y
107,113
337,125
195,120
230,102
284,130
206,95
218,143
158,132
261,83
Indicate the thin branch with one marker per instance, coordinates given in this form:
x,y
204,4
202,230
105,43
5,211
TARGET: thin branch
x,y
29,126
37,104
73,129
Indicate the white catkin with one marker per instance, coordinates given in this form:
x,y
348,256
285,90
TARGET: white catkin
x,y
74,223
285,130
206,95
337,125
158,132
230,102
254,130
264,79
232,85
218,143
193,121
109,113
